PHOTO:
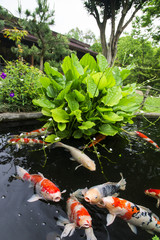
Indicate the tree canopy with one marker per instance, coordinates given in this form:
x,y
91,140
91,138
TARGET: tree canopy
x,y
108,11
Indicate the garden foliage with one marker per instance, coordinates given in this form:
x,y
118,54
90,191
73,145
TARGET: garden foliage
x,y
19,85
87,99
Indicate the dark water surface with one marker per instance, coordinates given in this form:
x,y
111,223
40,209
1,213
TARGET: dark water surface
x,y
20,220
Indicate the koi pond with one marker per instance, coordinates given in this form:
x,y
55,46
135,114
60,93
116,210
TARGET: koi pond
x,y
137,160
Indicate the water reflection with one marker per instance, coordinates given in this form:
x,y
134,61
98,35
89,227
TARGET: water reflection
x,y
137,160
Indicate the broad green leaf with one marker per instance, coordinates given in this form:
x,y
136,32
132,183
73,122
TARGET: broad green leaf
x,y
128,104
64,134
107,130
59,115
86,125
51,92
117,75
104,109
77,134
128,89
45,81
88,60
67,66
51,70
43,102
52,138
79,96
124,73
72,103
92,88
77,64
102,62
112,117
46,112
113,96
77,114
61,126
110,78
63,92
100,80
90,132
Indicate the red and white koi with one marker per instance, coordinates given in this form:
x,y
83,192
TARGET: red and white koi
x,y
29,141
45,189
133,214
96,193
155,193
37,132
78,218
78,156
145,138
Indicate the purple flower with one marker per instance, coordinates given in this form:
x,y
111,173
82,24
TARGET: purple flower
x,y
3,75
11,94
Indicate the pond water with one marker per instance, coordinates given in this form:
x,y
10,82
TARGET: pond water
x,y
22,220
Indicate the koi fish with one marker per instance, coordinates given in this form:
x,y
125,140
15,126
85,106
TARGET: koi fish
x,y
78,156
97,139
96,193
29,141
78,217
134,215
144,137
154,193
45,189
37,132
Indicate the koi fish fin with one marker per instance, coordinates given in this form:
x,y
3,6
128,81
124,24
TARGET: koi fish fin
x,y
149,231
64,191
115,195
144,208
41,174
110,218
21,172
62,221
72,159
68,230
90,234
84,190
78,193
78,166
158,203
133,228
122,183
35,197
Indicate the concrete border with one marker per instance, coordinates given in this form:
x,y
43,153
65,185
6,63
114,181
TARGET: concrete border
x,y
7,117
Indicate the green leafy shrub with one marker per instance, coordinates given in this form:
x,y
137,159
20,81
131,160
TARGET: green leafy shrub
x,y
87,99
19,85
155,238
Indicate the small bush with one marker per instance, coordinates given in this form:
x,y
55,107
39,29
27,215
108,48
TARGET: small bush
x,y
19,85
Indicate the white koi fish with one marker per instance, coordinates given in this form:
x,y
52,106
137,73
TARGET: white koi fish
x,y
78,218
134,215
45,189
78,156
96,193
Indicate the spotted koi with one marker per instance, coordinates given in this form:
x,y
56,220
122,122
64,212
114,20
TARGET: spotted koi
x,y
154,193
78,217
45,189
133,214
37,132
29,141
144,137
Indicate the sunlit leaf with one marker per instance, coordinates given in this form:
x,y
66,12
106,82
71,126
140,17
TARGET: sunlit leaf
x,y
59,115
86,125
102,62
107,130
113,96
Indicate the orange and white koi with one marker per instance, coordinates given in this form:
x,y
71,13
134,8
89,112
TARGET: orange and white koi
x,y
96,193
97,139
37,132
45,189
78,156
133,214
29,141
154,193
78,217
144,137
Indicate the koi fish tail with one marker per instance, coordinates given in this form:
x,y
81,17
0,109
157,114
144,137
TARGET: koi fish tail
x,y
22,173
122,183
77,194
68,230
90,234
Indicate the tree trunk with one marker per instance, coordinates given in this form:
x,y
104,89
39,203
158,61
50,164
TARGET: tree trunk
x,y
41,63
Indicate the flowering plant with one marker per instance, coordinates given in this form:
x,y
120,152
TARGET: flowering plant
x,y
19,85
